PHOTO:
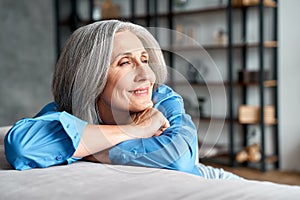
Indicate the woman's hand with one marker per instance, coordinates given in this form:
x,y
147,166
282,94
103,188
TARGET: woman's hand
x,y
148,123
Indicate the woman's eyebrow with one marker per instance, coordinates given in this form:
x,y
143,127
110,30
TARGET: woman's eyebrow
x,y
121,54
127,54
124,54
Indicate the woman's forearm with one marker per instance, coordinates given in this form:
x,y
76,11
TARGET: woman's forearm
x,y
96,138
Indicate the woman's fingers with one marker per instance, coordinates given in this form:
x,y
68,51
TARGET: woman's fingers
x,y
150,122
163,127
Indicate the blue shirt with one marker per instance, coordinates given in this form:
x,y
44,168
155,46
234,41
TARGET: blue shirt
x,y
51,138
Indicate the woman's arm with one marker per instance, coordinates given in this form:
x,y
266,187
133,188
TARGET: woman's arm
x,y
97,138
54,138
140,122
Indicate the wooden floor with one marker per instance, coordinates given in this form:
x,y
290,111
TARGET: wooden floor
x,y
290,178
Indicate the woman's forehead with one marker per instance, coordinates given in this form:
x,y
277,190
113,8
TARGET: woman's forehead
x,y
126,42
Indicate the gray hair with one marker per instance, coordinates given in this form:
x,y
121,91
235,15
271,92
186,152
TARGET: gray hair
x,y
81,72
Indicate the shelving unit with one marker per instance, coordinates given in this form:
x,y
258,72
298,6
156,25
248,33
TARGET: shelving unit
x,y
262,83
152,17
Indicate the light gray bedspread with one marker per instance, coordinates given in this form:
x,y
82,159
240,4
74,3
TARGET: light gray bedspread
x,y
86,180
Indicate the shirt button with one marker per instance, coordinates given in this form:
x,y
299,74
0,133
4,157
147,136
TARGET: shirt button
x,y
59,157
135,152
68,125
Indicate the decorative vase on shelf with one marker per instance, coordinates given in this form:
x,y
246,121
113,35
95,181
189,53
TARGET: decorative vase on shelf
x,y
221,37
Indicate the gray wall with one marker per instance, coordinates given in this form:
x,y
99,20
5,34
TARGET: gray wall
x,y
289,92
27,57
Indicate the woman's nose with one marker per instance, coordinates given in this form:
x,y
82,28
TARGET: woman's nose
x,y
144,72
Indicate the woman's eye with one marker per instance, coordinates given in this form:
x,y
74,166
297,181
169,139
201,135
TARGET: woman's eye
x,y
145,61
125,62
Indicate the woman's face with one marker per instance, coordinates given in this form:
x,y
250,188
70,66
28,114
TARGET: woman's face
x,y
130,79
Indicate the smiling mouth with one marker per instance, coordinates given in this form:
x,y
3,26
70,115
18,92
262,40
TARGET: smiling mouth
x,y
141,91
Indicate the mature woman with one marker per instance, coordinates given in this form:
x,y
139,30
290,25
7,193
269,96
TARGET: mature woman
x,y
110,106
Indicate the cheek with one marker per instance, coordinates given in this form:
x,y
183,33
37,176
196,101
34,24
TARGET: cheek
x,y
117,88
125,80
110,87
119,80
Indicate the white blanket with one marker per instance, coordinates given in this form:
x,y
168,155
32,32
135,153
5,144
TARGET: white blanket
x,y
85,180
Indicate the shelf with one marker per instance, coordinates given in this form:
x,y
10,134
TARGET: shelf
x,y
271,159
181,13
226,119
159,15
162,15
217,8
274,122
267,3
184,83
197,11
267,44
209,118
224,159
267,83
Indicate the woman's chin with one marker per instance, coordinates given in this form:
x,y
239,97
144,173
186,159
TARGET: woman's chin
x,y
142,107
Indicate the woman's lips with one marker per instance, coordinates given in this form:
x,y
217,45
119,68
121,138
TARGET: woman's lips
x,y
141,91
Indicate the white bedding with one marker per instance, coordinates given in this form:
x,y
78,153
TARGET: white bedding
x,y
85,180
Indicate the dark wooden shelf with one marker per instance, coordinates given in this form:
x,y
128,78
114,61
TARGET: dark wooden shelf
x,y
267,83
183,83
224,158
267,44
209,118
267,4
271,159
226,119
257,123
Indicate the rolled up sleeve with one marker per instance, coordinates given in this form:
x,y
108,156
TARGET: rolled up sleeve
x,y
50,139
